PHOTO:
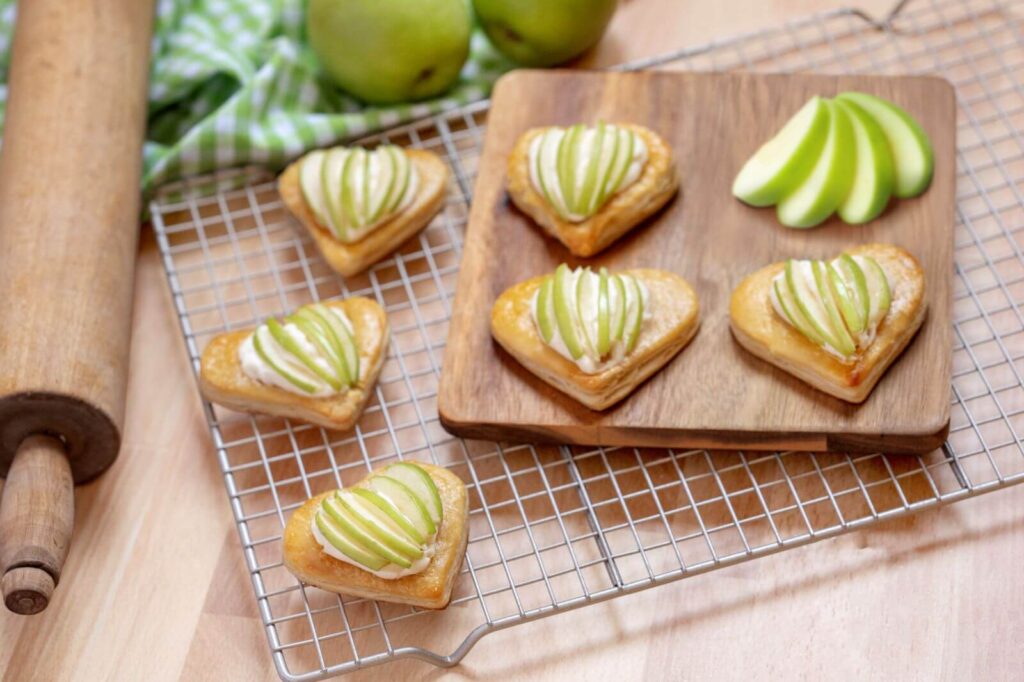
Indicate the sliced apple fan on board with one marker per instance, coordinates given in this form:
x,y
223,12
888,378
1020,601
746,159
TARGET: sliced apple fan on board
x,y
848,155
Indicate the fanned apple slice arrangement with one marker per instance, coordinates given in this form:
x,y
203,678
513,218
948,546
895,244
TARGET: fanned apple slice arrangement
x,y
847,155
360,205
836,324
398,535
588,185
596,336
318,364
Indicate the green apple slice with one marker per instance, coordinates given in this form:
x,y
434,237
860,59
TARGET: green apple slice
x,y
791,311
878,286
407,503
619,314
589,191
289,376
379,525
364,203
544,309
353,162
637,320
340,337
357,533
404,170
854,276
812,202
807,303
286,341
604,341
546,142
837,334
385,179
331,186
340,541
568,151
320,334
421,484
563,298
585,298
393,512
845,299
614,146
786,160
873,177
627,143
913,157
310,173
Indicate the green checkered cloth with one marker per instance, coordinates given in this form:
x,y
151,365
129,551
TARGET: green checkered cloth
x,y
234,82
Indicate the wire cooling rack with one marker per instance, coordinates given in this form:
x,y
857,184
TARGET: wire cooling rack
x,y
554,528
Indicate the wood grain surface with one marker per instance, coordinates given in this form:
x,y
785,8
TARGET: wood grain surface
x,y
714,394
155,587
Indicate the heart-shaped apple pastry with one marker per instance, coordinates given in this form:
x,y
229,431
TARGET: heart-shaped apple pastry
x,y
596,336
359,205
318,364
836,324
588,185
398,535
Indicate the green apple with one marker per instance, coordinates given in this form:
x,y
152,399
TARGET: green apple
x,y
563,297
320,334
388,51
421,484
785,296
544,309
286,341
272,361
568,161
873,178
544,32
912,153
407,503
336,535
310,173
341,338
784,161
846,300
394,514
803,294
857,283
625,144
820,194
619,313
584,297
377,524
356,532
330,187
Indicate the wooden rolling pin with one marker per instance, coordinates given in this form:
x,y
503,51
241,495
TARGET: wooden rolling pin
x,y
69,220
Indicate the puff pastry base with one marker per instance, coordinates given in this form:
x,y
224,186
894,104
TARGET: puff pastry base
x,y
351,259
222,380
759,329
674,321
429,589
656,185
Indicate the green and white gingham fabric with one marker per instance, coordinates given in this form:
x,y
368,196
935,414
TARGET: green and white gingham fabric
x,y
233,82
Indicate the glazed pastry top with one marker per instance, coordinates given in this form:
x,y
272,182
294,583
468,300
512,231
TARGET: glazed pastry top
x,y
312,352
351,190
578,169
836,304
592,319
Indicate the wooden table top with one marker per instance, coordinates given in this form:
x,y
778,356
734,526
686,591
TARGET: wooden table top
x,y
155,586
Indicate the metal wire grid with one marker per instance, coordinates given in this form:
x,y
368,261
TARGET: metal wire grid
x,y
556,528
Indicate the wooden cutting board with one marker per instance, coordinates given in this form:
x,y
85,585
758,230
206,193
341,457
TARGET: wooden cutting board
x,y
713,394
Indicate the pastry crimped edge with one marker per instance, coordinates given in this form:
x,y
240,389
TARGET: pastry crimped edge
x,y
429,589
222,380
675,317
351,259
656,185
759,329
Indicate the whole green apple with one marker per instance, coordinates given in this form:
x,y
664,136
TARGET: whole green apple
x,y
544,32
387,51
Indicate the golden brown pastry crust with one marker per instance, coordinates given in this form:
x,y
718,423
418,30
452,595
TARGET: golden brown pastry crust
x,y
656,185
674,321
429,589
759,329
222,380
350,259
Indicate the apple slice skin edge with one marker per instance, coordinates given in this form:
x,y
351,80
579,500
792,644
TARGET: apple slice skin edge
x,y
868,136
907,184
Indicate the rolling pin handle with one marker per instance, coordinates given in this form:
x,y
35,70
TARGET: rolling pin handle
x,y
37,514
